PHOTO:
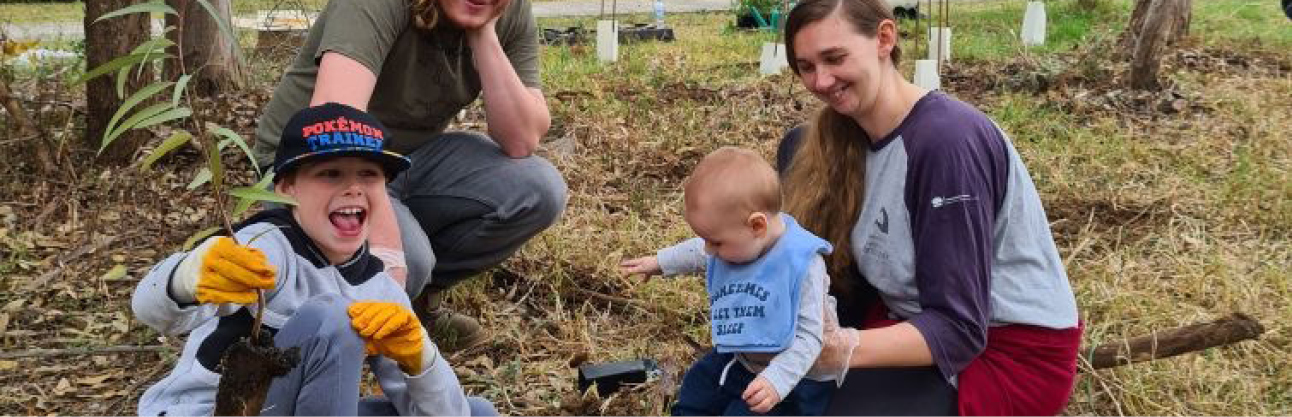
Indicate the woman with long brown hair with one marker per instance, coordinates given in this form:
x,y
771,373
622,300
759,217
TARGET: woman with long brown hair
x,y
470,200
930,208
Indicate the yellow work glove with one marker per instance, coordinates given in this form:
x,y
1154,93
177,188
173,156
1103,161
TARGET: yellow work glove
x,y
390,330
222,271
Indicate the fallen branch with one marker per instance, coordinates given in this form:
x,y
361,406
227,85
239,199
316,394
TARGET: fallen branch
x,y
62,261
1164,344
622,302
83,351
509,277
10,103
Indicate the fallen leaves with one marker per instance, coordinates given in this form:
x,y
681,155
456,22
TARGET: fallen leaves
x,y
63,387
117,272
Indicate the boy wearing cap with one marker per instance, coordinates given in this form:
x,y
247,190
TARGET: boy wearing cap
x,y
324,292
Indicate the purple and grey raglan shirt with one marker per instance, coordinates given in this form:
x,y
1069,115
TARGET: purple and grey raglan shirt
x,y
953,235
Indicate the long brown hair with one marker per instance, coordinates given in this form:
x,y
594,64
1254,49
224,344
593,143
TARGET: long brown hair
x,y
826,181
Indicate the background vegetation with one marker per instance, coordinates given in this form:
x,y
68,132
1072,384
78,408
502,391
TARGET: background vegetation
x,y
1169,208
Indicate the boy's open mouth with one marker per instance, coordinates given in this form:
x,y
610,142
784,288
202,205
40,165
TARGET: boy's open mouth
x,y
348,220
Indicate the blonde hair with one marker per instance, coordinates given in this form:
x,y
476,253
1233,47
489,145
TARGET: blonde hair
x,y
426,13
737,180
826,182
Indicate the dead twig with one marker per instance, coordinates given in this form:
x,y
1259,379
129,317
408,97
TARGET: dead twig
x,y
45,353
62,261
1164,344
616,300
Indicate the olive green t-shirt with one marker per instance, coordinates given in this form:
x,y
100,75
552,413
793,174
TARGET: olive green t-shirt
x,y
424,78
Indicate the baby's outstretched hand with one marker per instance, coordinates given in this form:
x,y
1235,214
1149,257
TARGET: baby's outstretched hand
x,y
646,266
760,395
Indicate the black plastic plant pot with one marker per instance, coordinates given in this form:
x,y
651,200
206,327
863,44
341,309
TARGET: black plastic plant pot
x,y
645,32
747,21
611,376
572,35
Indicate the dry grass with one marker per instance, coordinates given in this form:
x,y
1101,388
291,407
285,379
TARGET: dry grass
x,y
1164,218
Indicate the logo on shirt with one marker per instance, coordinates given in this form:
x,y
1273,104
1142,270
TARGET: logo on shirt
x,y
938,202
882,222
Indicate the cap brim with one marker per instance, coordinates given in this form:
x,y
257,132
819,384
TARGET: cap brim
x,y
393,163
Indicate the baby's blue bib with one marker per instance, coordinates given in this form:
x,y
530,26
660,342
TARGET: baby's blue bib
x,y
753,307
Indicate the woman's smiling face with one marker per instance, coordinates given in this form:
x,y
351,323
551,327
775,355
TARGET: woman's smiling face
x,y
839,65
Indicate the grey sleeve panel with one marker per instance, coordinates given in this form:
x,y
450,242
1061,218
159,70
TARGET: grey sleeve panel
x,y
683,258
789,366
1029,283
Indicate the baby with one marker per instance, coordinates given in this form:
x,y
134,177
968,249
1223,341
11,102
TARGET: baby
x,y
767,282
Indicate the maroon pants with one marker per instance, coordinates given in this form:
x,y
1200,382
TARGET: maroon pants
x,y
1025,370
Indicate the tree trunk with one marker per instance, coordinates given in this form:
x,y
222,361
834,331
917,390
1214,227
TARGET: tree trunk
x,y
207,53
106,41
1182,20
1126,42
1159,23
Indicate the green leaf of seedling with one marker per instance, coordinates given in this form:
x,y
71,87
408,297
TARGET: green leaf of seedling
x,y
164,117
157,46
244,203
261,194
113,65
236,139
202,177
175,140
197,237
179,89
225,28
216,165
147,112
134,100
123,74
150,7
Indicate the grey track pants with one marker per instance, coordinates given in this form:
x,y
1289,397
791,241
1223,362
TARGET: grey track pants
x,y
464,206
326,381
